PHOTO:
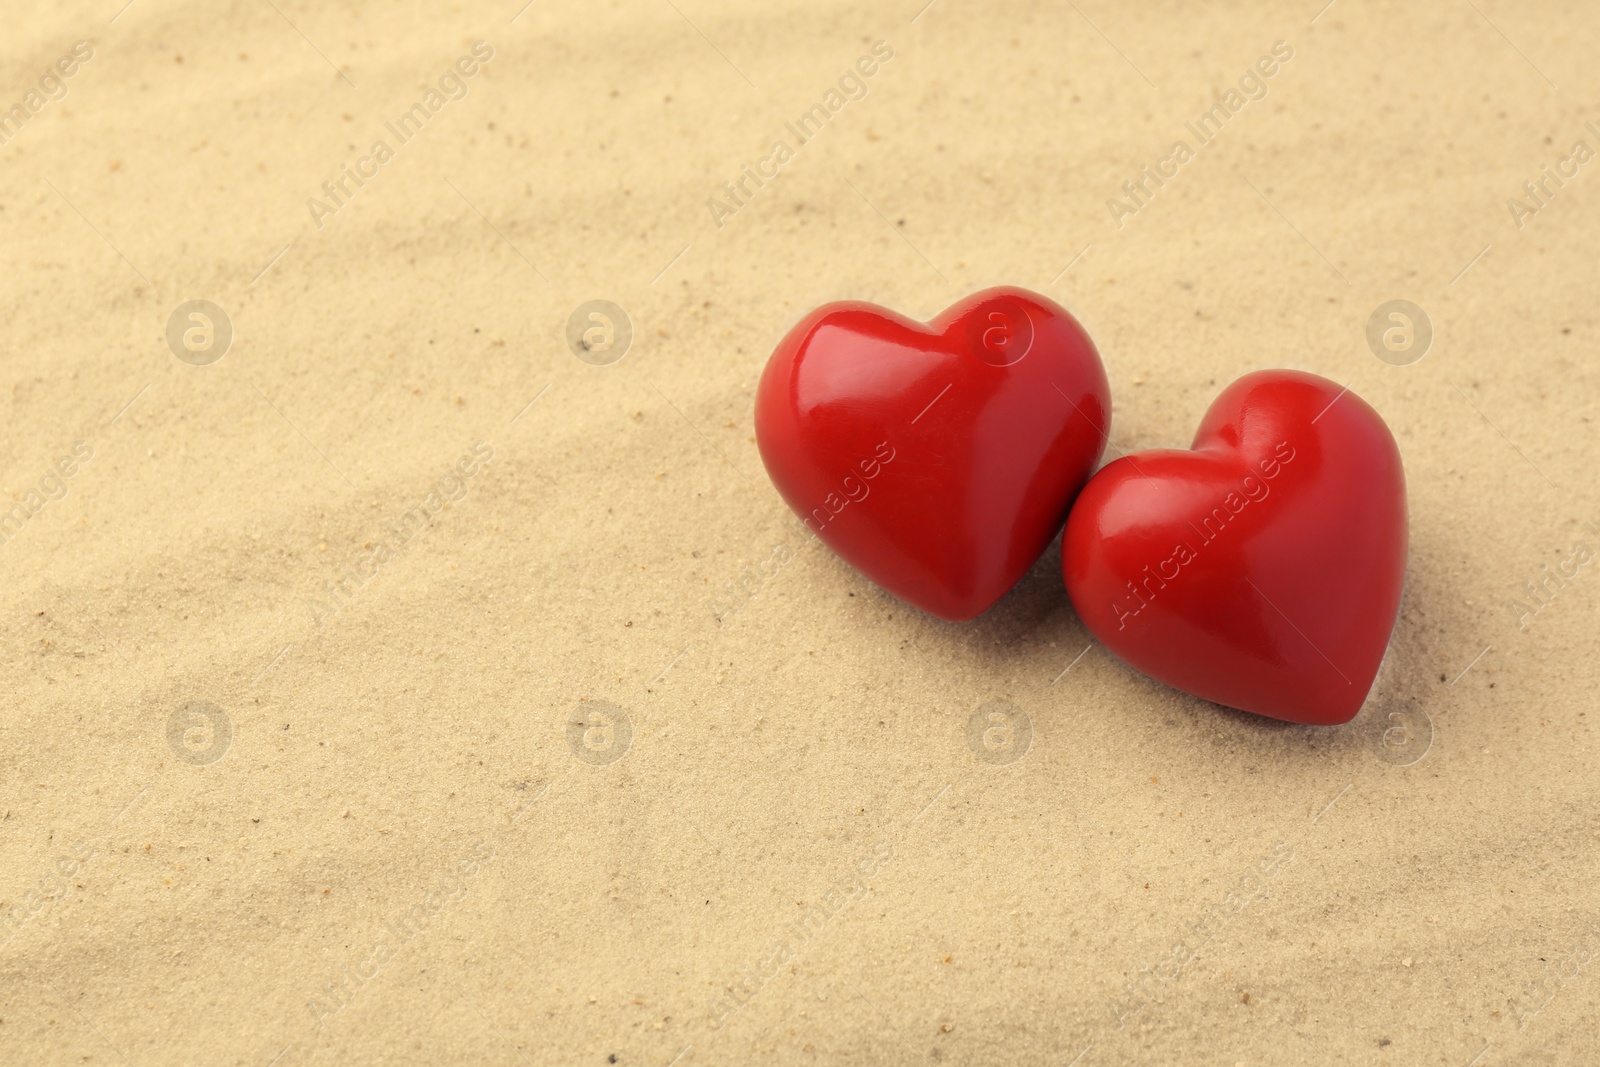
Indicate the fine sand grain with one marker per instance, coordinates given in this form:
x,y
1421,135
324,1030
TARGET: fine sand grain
x,y
402,687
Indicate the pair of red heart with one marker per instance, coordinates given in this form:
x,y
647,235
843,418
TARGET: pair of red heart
x,y
1260,569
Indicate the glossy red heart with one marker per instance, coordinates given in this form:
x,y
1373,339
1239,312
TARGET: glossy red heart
x,y
1261,569
940,459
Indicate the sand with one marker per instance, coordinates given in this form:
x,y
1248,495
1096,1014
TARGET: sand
x,y
401,687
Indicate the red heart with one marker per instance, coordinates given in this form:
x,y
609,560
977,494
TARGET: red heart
x,y
939,460
1262,569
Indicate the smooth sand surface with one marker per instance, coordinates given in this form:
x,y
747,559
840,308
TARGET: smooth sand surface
x,y
249,819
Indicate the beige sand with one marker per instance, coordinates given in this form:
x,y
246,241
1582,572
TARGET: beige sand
x,y
394,853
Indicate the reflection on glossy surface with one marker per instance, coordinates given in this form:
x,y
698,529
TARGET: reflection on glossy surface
x,y
937,459
1262,569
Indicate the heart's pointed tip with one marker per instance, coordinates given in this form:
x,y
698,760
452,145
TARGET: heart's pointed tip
x,y
966,614
1313,709
1299,717
949,610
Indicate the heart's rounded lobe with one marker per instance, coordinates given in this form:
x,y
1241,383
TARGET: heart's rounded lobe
x,y
938,459
1261,569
